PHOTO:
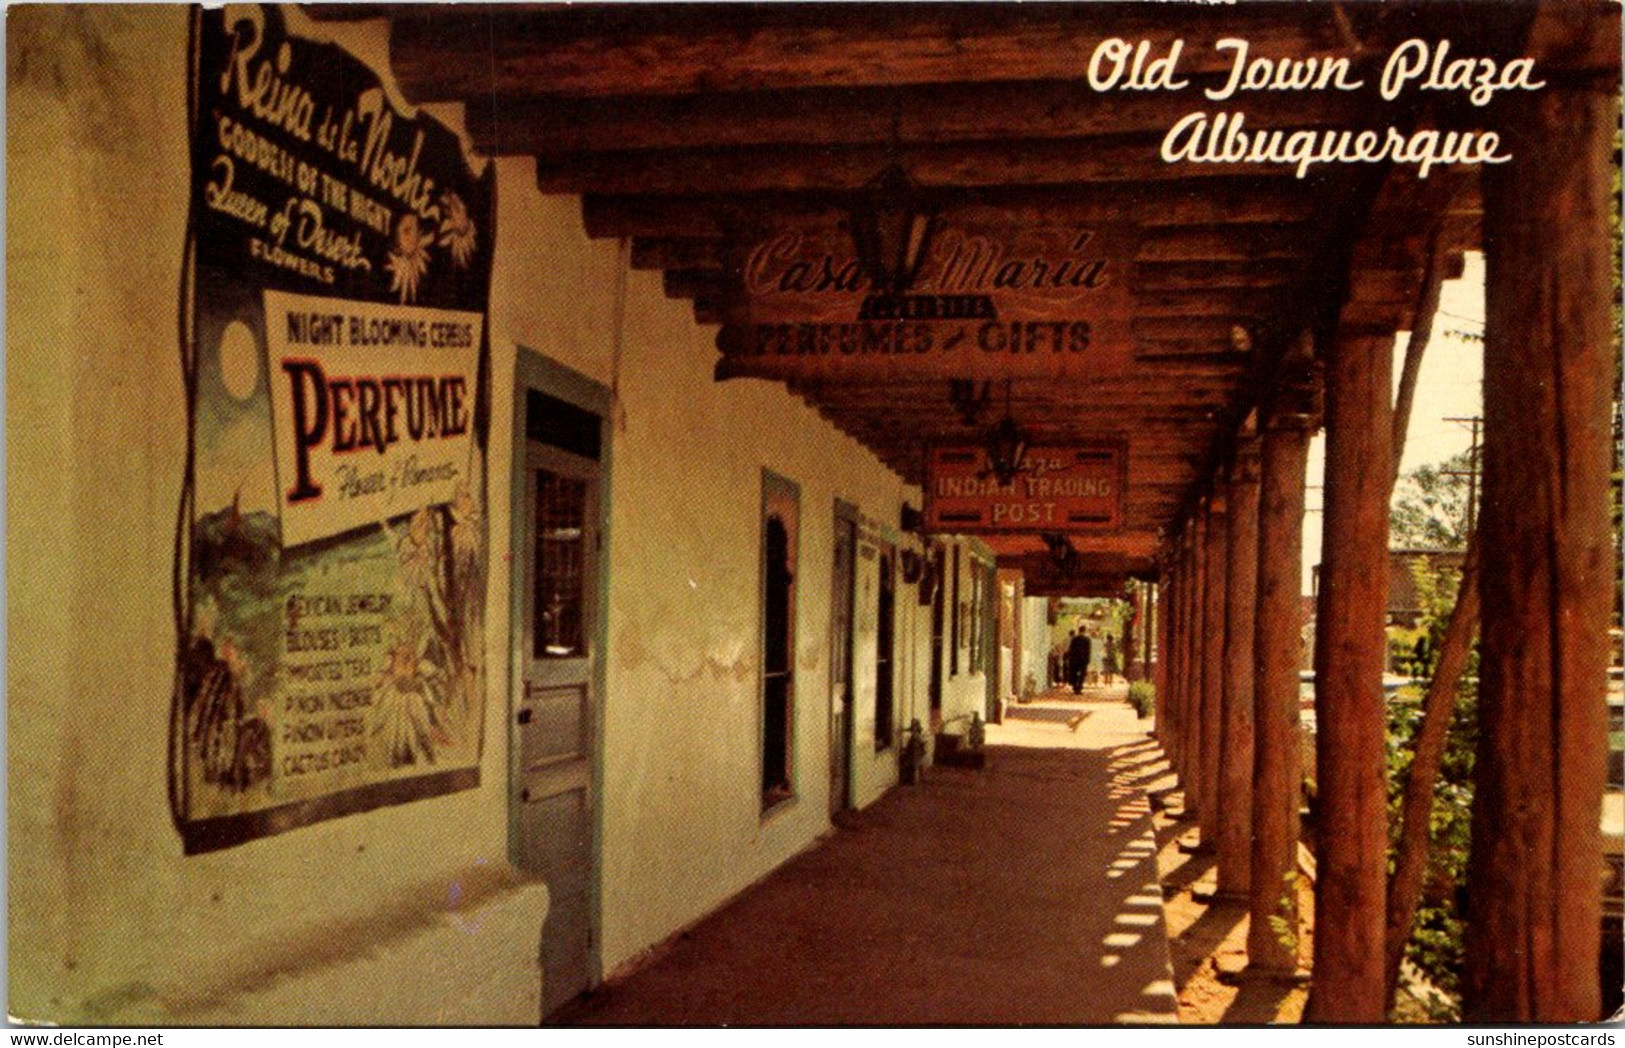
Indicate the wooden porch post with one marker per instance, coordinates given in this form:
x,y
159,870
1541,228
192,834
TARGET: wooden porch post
x,y
1189,676
1548,565
1153,628
1236,737
1131,630
1213,608
1272,934
1177,673
1191,699
1158,671
1350,751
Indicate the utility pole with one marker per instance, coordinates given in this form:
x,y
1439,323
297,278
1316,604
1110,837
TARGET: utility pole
x,y
1471,472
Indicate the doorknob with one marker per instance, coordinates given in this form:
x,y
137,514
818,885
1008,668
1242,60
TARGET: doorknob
x,y
524,715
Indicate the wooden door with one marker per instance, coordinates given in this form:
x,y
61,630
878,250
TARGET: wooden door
x,y
555,710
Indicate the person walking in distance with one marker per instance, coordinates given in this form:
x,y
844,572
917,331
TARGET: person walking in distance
x,y
1077,660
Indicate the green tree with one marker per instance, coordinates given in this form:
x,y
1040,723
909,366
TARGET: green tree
x,y
1436,937
1430,506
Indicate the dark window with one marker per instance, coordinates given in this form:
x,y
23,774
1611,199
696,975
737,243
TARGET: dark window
x,y
780,521
956,614
561,507
560,424
939,561
978,616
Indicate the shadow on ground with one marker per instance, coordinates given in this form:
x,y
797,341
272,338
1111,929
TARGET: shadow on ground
x,y
936,903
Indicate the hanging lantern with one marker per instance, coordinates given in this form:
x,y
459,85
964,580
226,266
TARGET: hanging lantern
x,y
965,397
1006,444
1006,448
891,229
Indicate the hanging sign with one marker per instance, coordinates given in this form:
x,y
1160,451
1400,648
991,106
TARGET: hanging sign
x,y
334,537
1056,489
999,293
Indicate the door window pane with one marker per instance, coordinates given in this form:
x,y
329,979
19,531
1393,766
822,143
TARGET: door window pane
x,y
561,537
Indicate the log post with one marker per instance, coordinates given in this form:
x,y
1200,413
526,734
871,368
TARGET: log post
x,y
1177,669
1213,608
1131,630
1272,933
1158,671
1236,703
1191,699
1154,604
1548,565
1350,650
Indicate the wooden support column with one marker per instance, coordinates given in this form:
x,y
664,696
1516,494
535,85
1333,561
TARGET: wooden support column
x,y
1171,694
1213,600
1350,648
1154,605
1191,698
1158,671
1183,671
1236,702
1272,939
1548,566
1131,632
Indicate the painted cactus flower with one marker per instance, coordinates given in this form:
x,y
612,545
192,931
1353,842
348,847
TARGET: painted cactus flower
x,y
408,257
457,229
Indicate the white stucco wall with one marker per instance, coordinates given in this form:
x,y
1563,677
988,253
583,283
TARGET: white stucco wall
x,y
407,914
963,692
1035,645
108,922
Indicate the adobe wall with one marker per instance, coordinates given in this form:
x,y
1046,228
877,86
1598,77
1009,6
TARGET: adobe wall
x,y
412,913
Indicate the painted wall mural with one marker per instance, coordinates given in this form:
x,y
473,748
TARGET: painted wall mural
x,y
332,550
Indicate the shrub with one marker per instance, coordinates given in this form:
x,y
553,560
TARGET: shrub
x,y
1142,695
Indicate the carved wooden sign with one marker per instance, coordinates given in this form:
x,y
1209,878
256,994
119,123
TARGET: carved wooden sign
x,y
1057,489
999,293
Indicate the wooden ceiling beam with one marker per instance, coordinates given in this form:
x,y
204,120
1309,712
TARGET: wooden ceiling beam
x,y
676,252
1206,355
585,50
1066,430
1085,563
1154,433
1194,275
1062,397
1236,307
1127,162
1177,202
693,283
1203,258
547,126
1228,243
1212,302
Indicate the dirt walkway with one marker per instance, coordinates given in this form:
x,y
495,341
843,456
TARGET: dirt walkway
x,y
1208,938
1022,893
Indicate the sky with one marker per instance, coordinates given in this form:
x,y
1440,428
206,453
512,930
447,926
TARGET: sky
x,y
1451,384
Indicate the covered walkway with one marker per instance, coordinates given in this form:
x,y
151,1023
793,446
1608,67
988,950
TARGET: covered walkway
x,y
1025,892
765,369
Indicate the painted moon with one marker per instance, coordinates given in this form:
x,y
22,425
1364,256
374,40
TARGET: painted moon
x,y
239,361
